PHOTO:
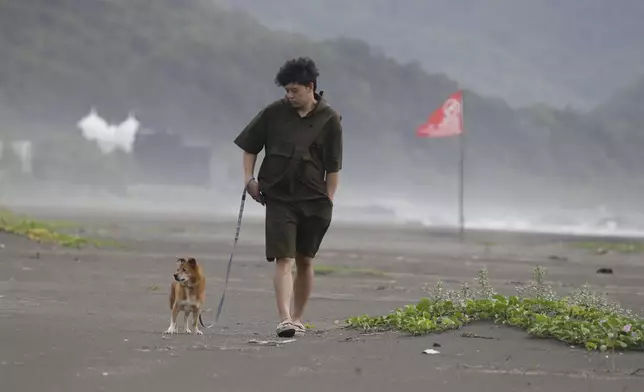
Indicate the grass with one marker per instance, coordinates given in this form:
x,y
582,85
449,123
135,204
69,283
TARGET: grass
x,y
585,318
46,232
346,271
326,270
611,246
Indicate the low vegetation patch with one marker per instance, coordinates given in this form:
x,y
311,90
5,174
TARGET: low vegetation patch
x,y
328,270
45,232
583,318
332,270
610,246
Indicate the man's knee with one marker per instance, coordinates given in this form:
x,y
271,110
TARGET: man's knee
x,y
303,262
284,265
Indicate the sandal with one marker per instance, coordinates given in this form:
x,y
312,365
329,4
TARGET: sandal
x,y
300,329
286,329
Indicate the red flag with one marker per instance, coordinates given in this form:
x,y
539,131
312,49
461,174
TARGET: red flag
x,y
445,121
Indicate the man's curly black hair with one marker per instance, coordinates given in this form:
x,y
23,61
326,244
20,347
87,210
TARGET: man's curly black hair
x,y
301,70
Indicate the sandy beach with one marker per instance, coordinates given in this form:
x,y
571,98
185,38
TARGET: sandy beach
x,y
92,319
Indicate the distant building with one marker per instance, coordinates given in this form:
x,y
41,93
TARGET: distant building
x,y
18,152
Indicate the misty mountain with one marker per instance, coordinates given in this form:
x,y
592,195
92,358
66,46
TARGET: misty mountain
x,y
525,51
195,68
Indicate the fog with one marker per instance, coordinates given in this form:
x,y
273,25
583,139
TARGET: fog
x,y
132,113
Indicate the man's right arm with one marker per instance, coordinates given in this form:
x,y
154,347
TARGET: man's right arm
x,y
252,140
249,166
333,155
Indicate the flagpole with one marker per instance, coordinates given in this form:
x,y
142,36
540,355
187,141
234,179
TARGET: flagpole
x,y
461,179
441,124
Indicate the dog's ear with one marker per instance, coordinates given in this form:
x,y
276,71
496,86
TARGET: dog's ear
x,y
181,260
192,262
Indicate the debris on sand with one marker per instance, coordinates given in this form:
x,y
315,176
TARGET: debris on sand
x,y
431,351
475,336
147,349
276,343
557,258
608,271
637,372
601,251
297,370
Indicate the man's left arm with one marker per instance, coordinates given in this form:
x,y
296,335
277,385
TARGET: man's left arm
x,y
333,155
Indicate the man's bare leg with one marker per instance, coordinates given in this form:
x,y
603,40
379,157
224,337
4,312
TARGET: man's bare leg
x,y
283,285
302,286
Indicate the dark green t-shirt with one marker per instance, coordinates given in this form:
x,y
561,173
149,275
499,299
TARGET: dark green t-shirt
x,y
299,151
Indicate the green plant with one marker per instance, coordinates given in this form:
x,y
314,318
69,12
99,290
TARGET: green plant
x,y
44,232
325,270
537,288
612,246
581,319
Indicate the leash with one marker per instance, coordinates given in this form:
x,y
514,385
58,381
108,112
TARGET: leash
x,y
230,261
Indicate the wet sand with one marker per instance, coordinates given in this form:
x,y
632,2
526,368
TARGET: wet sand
x,y
92,319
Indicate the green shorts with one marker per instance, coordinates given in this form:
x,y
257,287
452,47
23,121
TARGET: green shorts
x,y
294,229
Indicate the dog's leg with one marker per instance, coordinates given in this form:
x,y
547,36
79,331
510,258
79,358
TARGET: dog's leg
x,y
173,296
173,321
186,314
196,311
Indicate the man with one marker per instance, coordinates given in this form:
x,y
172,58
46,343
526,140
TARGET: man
x,y
302,138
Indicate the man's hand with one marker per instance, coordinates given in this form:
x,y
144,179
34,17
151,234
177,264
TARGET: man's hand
x,y
332,180
252,187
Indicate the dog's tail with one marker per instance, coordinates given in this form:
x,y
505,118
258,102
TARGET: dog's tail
x,y
202,324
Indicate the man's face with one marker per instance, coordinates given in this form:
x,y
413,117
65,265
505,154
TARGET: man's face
x,y
299,95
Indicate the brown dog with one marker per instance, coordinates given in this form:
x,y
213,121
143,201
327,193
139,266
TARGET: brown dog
x,y
187,293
